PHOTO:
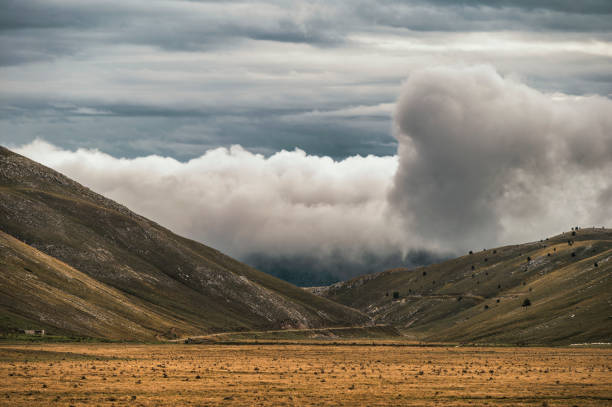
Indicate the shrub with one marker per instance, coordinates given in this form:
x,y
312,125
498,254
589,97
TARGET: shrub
x,y
527,302
396,294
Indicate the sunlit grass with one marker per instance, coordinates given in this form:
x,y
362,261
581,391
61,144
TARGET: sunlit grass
x,y
116,374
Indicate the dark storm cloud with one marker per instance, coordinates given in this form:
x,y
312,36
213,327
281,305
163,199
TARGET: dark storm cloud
x,y
311,271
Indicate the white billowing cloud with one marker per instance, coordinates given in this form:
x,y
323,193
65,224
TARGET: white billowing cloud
x,y
239,202
485,160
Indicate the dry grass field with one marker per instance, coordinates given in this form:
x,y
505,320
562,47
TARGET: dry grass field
x,y
277,375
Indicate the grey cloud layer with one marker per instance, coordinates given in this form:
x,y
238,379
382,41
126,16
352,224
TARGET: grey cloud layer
x,y
180,77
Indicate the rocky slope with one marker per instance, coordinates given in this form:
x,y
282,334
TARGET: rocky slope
x,y
191,287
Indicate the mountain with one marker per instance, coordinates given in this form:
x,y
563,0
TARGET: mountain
x,y
75,262
479,297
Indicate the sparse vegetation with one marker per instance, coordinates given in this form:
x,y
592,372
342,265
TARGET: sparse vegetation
x,y
302,374
434,312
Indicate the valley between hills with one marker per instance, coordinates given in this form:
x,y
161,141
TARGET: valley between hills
x,y
81,266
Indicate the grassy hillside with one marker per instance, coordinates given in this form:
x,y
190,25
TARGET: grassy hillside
x,y
479,297
40,292
195,288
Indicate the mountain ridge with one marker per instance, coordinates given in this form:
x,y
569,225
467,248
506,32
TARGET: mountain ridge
x,y
480,297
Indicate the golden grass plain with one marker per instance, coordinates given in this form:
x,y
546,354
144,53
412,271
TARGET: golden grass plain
x,y
302,374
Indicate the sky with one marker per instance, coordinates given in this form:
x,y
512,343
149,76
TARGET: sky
x,y
322,140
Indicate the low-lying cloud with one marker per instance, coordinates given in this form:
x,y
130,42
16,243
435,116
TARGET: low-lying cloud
x,y
287,204
483,160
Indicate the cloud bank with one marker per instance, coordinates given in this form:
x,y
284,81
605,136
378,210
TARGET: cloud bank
x,y
483,160
243,203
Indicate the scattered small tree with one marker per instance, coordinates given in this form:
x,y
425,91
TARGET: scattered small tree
x,y
527,302
396,294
